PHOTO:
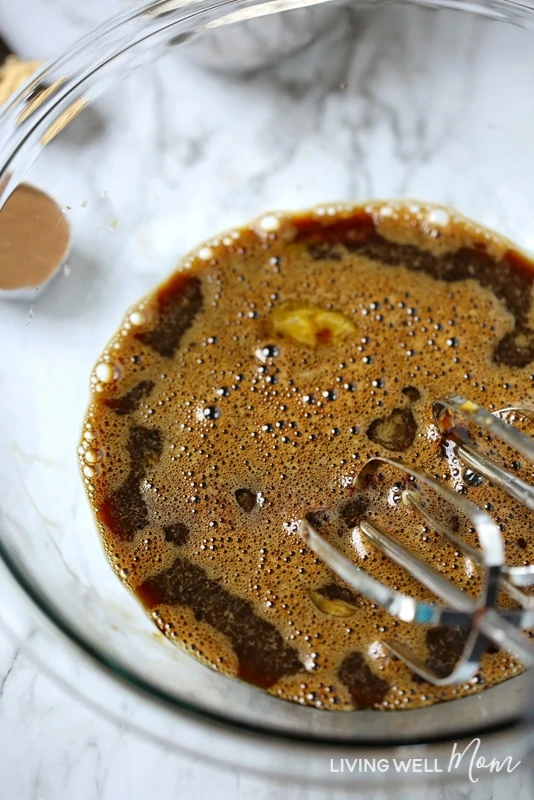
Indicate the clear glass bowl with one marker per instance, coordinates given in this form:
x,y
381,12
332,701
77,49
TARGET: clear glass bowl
x,y
398,100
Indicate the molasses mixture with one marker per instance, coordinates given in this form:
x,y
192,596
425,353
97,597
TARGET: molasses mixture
x,y
250,388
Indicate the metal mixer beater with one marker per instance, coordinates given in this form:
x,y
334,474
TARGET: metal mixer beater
x,y
484,620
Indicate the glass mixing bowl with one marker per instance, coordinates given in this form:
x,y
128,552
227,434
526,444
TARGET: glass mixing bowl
x,y
391,100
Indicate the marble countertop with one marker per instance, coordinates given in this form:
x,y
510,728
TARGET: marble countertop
x,y
51,746
54,748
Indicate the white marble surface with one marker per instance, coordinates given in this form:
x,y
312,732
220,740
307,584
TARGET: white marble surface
x,y
52,746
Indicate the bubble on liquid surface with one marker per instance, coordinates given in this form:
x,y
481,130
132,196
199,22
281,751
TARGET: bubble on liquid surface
x,y
105,372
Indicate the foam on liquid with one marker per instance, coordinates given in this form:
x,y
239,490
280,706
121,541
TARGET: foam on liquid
x,y
211,433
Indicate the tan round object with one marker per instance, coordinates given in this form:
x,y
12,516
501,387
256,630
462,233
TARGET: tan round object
x,y
34,239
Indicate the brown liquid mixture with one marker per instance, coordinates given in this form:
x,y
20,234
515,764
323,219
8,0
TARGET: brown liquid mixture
x,y
251,387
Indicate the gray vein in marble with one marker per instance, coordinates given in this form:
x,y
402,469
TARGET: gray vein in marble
x,y
36,786
7,673
188,150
